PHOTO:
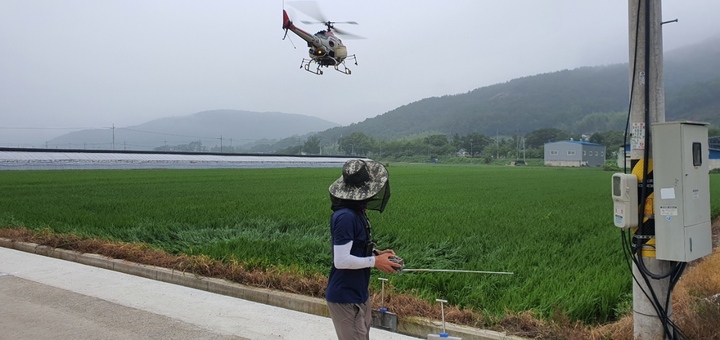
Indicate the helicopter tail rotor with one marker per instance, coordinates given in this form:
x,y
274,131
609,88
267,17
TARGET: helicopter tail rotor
x,y
287,24
286,21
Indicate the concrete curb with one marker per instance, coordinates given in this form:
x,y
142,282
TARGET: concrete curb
x,y
409,326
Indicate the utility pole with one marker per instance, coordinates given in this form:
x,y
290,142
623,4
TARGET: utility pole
x,y
497,145
647,107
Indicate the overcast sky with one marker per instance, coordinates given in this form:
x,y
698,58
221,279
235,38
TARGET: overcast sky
x,y
71,64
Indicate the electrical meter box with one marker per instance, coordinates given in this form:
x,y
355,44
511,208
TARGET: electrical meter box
x,y
625,200
681,187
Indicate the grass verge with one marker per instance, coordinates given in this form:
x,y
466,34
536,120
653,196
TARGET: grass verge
x,y
696,302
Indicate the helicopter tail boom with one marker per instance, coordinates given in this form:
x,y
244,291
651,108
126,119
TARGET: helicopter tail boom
x,y
288,25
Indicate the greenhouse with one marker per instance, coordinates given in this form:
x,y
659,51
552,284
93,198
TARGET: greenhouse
x,y
46,159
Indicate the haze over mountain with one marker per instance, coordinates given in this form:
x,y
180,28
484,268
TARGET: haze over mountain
x,y
582,100
211,128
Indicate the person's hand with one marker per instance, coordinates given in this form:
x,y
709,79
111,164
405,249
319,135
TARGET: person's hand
x,y
383,263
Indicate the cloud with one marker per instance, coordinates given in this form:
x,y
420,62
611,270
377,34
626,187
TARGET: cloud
x,y
125,62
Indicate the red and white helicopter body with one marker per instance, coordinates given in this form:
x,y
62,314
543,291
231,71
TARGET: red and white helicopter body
x,y
325,49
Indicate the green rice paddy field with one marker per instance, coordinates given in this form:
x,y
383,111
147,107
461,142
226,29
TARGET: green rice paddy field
x,y
552,227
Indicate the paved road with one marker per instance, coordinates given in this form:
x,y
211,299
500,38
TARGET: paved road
x,y
46,298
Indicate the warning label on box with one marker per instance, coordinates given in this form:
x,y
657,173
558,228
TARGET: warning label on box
x,y
668,210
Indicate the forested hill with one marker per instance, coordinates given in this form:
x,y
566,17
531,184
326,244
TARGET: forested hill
x,y
550,100
583,100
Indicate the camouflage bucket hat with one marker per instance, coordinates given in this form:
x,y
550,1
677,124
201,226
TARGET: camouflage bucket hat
x,y
360,180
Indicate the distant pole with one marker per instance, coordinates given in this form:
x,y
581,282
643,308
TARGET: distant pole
x,y
221,143
113,133
647,106
497,145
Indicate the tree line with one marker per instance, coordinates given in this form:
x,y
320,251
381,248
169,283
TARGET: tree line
x,y
434,145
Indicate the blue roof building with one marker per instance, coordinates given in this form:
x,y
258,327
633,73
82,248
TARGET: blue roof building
x,y
574,153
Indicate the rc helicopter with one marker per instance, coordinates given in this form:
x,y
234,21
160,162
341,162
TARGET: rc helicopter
x,y
326,49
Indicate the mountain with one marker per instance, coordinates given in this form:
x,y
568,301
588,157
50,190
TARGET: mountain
x,y
236,128
582,100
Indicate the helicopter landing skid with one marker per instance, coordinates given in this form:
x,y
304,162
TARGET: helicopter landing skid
x,y
306,65
307,62
345,69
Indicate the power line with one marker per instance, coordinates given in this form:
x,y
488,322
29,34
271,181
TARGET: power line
x,y
46,128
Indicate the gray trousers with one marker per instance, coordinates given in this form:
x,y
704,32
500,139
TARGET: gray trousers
x,y
352,320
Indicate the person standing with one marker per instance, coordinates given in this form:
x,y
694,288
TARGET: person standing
x,y
364,185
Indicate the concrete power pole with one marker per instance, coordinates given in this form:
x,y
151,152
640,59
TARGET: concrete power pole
x,y
647,107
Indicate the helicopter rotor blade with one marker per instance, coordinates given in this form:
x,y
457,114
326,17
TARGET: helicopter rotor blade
x,y
310,8
330,22
347,35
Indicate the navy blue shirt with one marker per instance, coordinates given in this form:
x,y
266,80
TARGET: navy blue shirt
x,y
349,285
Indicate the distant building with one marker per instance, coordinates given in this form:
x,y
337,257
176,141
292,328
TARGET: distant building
x,y
574,153
462,153
714,158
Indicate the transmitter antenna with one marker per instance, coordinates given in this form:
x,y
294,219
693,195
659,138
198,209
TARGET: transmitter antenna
x,y
454,271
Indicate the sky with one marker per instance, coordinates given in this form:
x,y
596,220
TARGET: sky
x,y
67,65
